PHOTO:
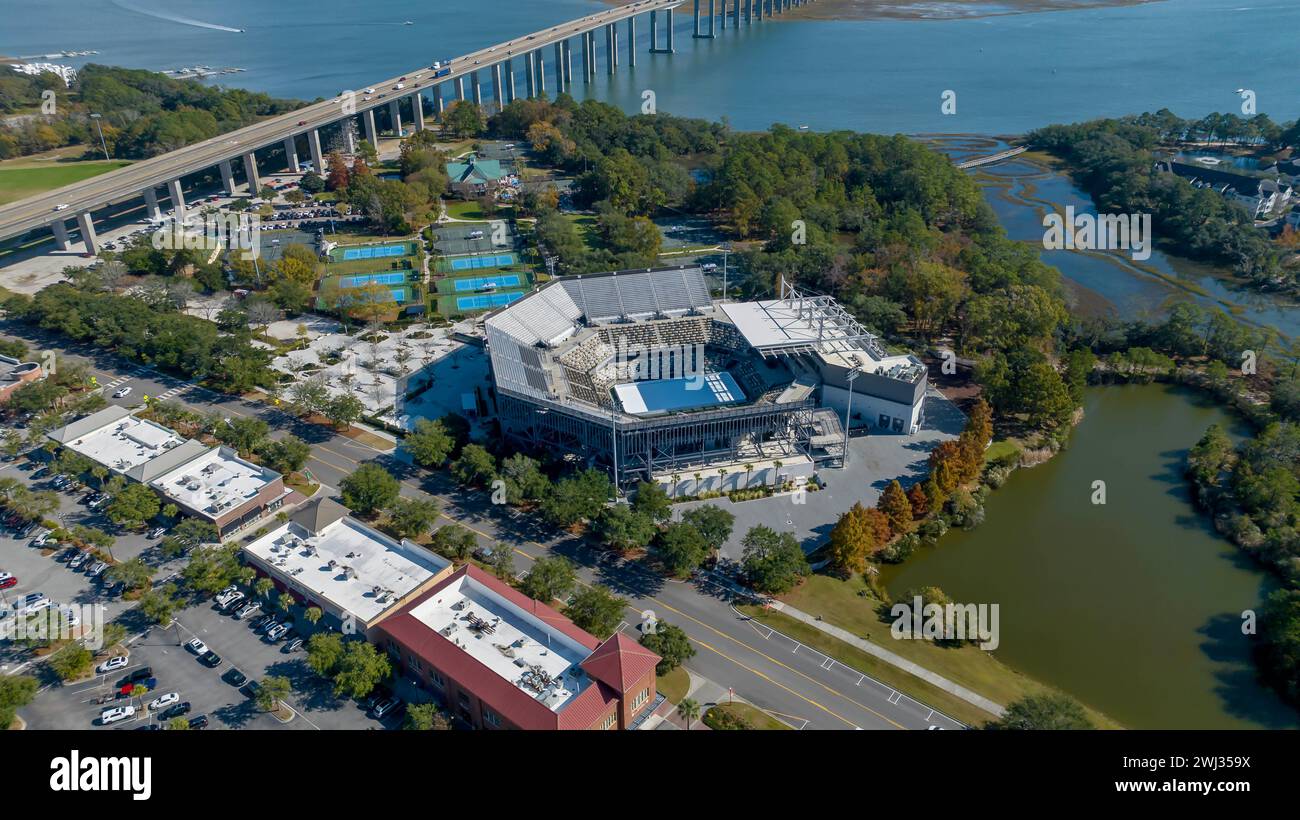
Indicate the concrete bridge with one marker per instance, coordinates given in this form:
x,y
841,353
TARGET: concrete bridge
x,y
992,158
515,68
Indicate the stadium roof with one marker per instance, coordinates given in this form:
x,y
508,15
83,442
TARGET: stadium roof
x,y
800,323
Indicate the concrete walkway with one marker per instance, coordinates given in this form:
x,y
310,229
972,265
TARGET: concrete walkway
x,y
891,658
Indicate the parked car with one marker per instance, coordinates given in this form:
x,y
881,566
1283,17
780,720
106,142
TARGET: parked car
x,y
385,707
176,711
292,646
138,675
7,580
30,599
233,602
164,701
276,632
247,609
234,677
156,533
199,722
211,658
78,560
112,664
196,646
96,569
41,538
122,392
115,714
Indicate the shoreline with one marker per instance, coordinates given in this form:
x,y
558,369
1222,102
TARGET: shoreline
x,y
937,10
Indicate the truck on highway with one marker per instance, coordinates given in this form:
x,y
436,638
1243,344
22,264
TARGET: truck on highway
x,y
441,68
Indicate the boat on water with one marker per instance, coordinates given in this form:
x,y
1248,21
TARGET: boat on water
x,y
408,23
1209,161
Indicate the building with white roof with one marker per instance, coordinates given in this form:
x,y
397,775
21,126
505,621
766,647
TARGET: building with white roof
x,y
353,572
221,487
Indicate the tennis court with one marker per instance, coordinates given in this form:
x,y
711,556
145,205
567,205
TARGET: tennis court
x,y
508,280
379,252
667,395
492,260
372,278
486,300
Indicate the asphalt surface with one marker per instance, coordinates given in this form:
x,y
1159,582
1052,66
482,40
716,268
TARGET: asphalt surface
x,y
796,684
128,183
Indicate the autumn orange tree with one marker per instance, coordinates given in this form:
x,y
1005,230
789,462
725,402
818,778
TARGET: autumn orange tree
x,y
894,504
852,539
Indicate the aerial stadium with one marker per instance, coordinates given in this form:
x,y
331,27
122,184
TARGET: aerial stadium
x,y
643,373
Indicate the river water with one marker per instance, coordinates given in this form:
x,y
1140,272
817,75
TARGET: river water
x,y
1133,607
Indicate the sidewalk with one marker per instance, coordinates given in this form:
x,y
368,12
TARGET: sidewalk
x,y
891,658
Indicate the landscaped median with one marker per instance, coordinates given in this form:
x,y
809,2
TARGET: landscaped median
x,y
851,605
739,715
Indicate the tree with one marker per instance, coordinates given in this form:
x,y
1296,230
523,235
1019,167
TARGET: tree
x,y
245,433
133,574
177,724
271,690
430,444
894,504
409,517
689,711
286,455
671,644
454,541
361,668
596,610
286,602
476,467
712,522
773,562
160,605
343,409
502,560
682,548
71,661
578,497
623,528
550,578
313,614
369,489
1045,711
524,479
463,119
263,587
425,717
213,568
133,506
851,541
653,501
917,500
16,691
324,653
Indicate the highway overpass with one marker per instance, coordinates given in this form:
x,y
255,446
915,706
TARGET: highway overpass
x,y
514,68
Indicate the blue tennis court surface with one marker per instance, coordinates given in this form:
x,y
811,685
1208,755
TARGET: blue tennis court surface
x,y
690,393
494,260
372,278
507,280
486,300
373,253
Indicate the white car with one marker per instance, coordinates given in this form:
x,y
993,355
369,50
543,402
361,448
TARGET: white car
x,y
5,576
196,646
61,207
125,391
369,91
164,701
116,713
112,663
276,631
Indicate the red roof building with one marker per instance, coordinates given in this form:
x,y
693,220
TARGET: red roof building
x,y
500,660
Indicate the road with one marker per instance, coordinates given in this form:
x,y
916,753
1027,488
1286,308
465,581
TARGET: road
x,y
798,685
127,183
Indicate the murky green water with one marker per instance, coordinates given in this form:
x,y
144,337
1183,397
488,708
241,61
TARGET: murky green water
x,y
1134,607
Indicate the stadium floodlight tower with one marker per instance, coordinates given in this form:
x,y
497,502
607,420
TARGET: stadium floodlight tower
x,y
851,377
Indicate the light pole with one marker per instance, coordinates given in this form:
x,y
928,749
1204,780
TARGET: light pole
x,y
100,129
726,246
848,414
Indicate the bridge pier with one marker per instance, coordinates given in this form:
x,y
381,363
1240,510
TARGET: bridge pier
x,y
631,42
437,101
541,72
151,202
313,145
87,227
250,173
460,88
417,111
227,176
510,80
567,84
611,49
291,154
476,88
395,116
178,199
530,74
496,86
372,132
586,57
735,15
671,49
60,231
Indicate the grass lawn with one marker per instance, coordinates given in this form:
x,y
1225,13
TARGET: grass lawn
x,y
756,718
466,209
674,685
839,603
20,179
999,449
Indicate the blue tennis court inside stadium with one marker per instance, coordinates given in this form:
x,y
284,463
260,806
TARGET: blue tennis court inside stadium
x,y
492,260
506,280
372,278
379,252
487,300
690,393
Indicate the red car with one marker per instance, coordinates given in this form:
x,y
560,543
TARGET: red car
x,y
302,122
7,580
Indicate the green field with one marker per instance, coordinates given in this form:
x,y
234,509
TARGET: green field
x,y
22,179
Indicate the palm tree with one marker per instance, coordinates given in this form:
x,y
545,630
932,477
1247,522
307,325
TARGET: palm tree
x,y
776,472
312,615
263,587
689,711
749,471
286,601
